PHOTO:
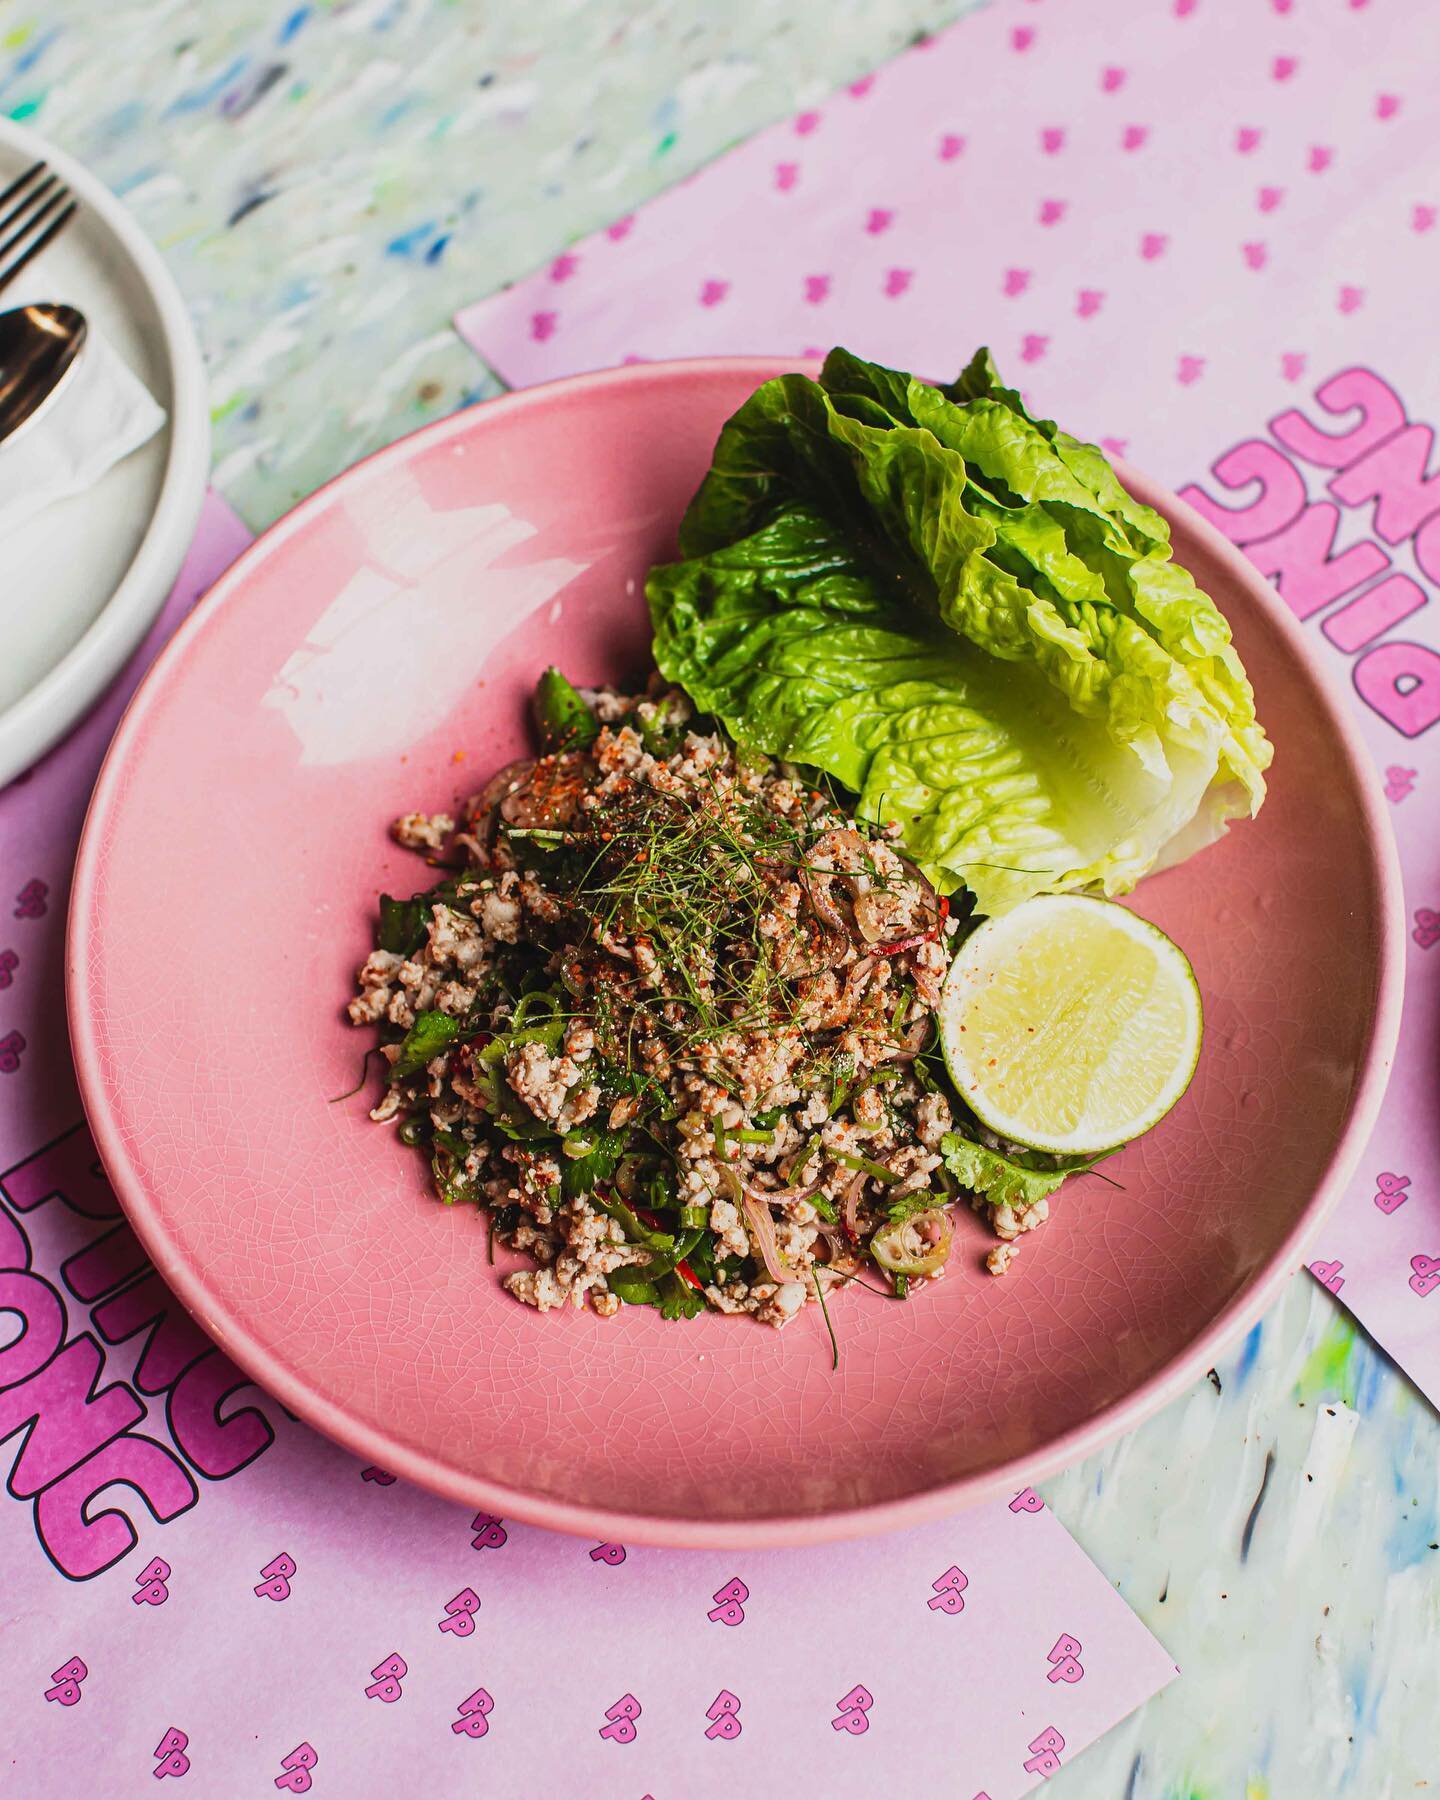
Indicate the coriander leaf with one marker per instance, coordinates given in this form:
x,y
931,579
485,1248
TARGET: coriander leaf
x,y
431,1033
678,1300
579,1174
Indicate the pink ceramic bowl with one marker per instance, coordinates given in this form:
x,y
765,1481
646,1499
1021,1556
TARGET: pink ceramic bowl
x,y
372,655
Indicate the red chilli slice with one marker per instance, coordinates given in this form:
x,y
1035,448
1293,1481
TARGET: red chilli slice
x,y
924,937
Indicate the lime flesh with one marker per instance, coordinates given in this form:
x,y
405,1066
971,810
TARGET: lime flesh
x,y
1070,1024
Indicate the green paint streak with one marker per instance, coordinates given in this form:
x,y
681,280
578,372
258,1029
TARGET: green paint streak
x,y
1328,1374
22,34
298,90
225,408
666,143
27,109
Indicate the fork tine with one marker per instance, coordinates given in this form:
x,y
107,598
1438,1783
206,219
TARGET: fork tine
x,y
21,181
33,249
28,202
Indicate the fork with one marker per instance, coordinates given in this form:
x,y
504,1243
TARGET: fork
x,y
40,206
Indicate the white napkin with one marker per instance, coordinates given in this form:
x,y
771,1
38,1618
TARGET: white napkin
x,y
100,415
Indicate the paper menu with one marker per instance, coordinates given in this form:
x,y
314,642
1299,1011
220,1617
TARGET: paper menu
x,y
1210,245
200,1589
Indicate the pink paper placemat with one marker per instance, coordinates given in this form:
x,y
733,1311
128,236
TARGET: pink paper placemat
x,y
200,1589
1213,244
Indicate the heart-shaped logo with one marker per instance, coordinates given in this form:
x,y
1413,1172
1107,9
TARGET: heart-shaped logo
x,y
1269,198
1052,140
806,122
1134,136
1320,158
1422,218
1051,212
1349,298
1016,281
1088,302
1283,67
950,146
817,287
1153,244
1292,364
878,219
564,266
1033,347
786,175
897,280
542,325
1111,79
1189,368
713,292
1254,255
1247,138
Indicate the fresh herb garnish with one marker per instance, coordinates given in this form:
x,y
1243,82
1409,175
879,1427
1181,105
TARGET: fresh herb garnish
x,y
432,1033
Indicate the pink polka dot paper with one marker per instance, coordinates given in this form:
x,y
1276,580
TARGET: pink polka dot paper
x,y
1210,243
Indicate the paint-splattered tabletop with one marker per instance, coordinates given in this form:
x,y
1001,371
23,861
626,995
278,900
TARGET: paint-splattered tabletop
x,y
329,182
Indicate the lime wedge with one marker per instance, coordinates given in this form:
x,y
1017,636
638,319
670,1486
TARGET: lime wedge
x,y
1070,1024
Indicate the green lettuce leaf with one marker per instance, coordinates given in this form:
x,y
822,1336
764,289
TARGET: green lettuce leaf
x,y
957,611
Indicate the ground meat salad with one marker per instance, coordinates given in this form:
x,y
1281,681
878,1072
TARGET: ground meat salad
x,y
668,1018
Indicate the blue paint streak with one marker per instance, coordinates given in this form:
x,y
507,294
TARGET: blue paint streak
x,y
1415,1529
1249,1350
293,25
409,243
199,98
665,114
392,115
437,249
298,293
32,53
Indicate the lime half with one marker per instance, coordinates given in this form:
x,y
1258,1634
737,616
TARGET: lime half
x,y
1069,1024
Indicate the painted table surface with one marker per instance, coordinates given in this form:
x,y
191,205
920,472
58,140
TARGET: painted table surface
x,y
329,183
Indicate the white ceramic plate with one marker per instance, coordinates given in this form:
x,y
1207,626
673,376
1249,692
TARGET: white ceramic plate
x,y
82,580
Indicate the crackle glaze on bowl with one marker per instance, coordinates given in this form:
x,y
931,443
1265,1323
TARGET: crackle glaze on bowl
x,y
371,655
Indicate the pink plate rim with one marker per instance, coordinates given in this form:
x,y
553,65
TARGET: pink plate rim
x,y
508,1502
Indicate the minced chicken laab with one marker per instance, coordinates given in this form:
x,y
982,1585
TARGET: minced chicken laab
x,y
668,1019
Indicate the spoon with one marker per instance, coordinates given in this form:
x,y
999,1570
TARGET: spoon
x,y
39,347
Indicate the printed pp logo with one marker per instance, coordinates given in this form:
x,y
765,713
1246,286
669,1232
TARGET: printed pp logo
x,y
385,1679
150,1583
67,1679
621,1716
852,1711
294,1776
729,1608
170,1757
474,1711
460,1613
